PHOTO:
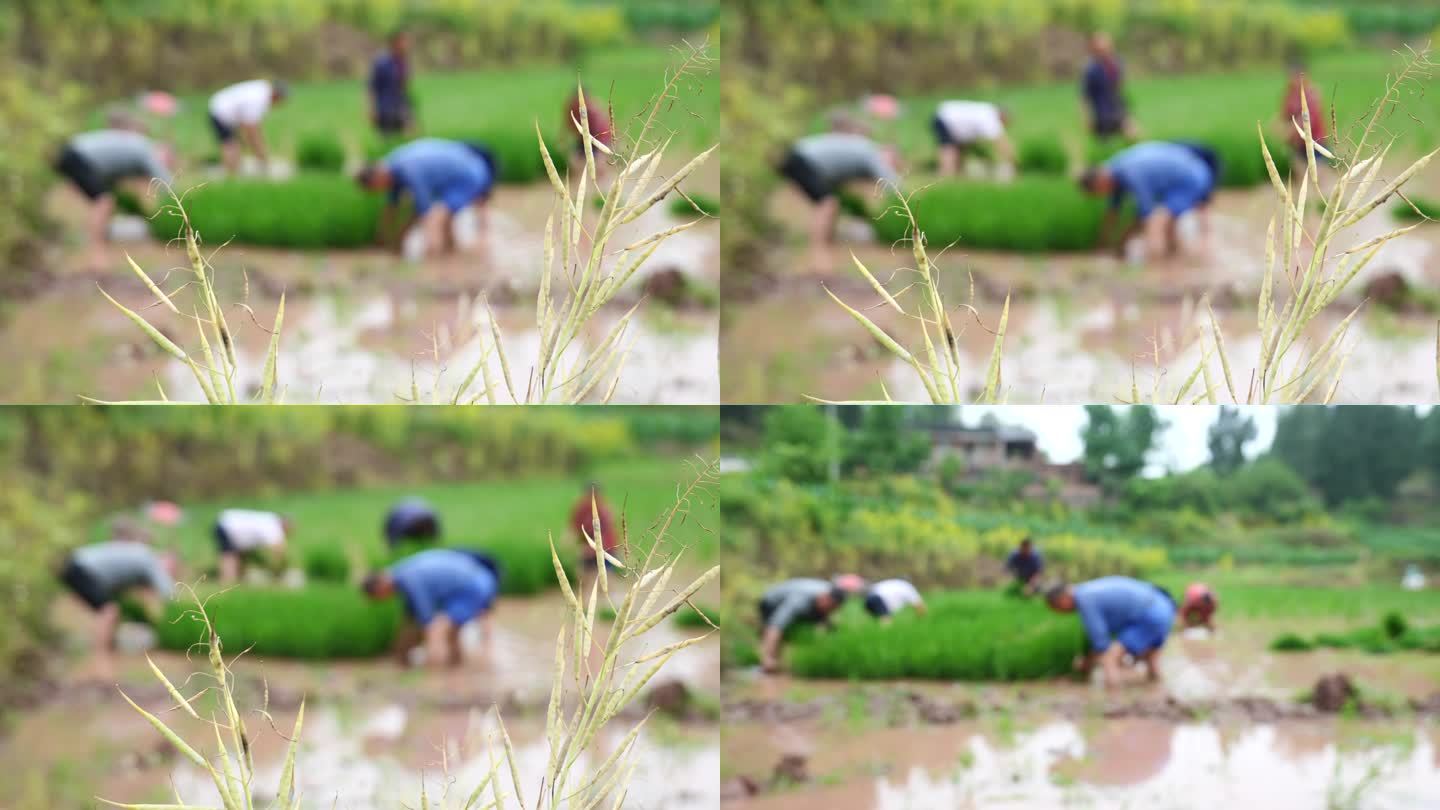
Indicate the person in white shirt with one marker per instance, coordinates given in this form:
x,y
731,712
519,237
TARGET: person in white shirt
x,y
890,596
244,534
238,110
960,125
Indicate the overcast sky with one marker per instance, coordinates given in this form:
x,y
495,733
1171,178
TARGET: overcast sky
x,y
1181,447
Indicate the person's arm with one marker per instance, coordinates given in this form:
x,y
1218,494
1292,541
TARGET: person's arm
x,y
439,652
1096,632
1110,663
920,607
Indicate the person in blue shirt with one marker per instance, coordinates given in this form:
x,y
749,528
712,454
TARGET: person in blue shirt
x,y
1165,181
411,520
441,178
1122,616
1026,565
443,590
391,110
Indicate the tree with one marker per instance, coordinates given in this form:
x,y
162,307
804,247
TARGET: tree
x,y
1351,452
1118,442
885,443
797,439
1229,434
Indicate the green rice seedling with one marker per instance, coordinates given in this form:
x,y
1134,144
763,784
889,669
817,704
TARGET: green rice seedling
x,y
1307,269
214,364
1242,164
697,616
854,205
965,635
316,211
320,152
1029,215
938,364
581,270
1395,624
690,204
1043,154
327,564
1291,642
338,622
588,692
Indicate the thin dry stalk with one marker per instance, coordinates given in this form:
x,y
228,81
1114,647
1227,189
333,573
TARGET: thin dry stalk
x,y
938,363
1305,272
582,273
214,363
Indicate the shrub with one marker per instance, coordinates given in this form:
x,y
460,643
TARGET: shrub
x,y
517,153
310,211
1290,642
320,152
967,636
327,564
1031,214
706,204
1043,154
1394,624
319,621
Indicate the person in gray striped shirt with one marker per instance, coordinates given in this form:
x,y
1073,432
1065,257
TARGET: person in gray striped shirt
x,y
100,574
821,165
96,163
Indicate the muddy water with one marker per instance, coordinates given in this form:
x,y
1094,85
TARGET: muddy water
x,y
1115,764
371,728
1081,327
361,326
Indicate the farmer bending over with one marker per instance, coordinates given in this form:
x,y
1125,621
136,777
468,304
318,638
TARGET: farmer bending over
x,y
1120,615
238,110
391,110
443,590
100,574
95,163
245,535
1166,181
442,178
961,125
1198,607
890,596
794,601
820,165
590,509
412,520
1026,565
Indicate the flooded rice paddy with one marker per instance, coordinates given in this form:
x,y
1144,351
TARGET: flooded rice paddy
x,y
364,326
1081,327
373,732
1225,727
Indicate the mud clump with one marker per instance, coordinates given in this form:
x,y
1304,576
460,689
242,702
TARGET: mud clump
x,y
1332,692
738,787
792,769
670,697
1389,289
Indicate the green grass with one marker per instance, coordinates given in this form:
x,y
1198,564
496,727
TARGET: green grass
x,y
1030,214
327,564
1187,106
310,211
481,101
1417,209
316,622
1043,154
966,635
1245,599
508,519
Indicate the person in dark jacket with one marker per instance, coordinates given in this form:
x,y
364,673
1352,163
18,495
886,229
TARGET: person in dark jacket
x,y
412,520
391,108
1102,88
